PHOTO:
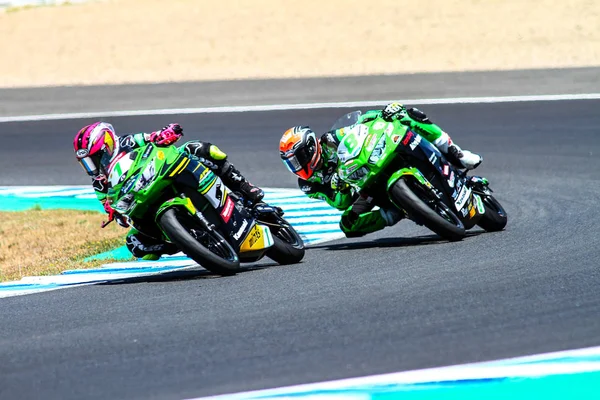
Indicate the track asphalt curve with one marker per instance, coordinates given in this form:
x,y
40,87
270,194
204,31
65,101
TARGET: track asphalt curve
x,y
396,300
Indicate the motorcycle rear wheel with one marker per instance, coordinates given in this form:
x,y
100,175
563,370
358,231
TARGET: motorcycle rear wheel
x,y
435,215
214,253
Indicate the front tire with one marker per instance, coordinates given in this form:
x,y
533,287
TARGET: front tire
x,y
207,248
288,246
448,226
494,219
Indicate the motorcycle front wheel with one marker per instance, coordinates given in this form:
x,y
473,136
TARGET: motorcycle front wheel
x,y
434,214
207,247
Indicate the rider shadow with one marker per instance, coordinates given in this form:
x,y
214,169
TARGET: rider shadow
x,y
187,275
414,241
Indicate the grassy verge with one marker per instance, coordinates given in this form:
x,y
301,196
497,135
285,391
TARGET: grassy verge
x,y
44,242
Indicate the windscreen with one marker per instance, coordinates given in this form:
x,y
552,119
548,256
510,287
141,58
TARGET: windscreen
x,y
346,120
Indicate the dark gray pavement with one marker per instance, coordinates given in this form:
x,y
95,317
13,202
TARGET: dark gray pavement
x,y
396,300
33,101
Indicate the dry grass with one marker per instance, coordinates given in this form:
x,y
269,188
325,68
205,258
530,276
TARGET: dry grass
x,y
41,242
118,41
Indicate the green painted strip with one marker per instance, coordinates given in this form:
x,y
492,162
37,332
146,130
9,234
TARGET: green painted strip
x,y
120,253
582,386
11,203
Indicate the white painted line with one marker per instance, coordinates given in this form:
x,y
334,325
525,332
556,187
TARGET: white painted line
x,y
541,365
305,106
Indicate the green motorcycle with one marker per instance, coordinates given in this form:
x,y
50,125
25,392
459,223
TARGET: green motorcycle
x,y
399,168
170,195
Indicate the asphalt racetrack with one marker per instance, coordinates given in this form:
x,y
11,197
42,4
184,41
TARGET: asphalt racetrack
x,y
397,300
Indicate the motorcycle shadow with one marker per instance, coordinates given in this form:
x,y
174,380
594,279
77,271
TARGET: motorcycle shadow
x,y
414,241
187,275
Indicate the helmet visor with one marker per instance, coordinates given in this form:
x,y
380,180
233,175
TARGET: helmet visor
x,y
89,166
105,160
292,163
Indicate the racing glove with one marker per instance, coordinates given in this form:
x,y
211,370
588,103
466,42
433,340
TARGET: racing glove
x,y
337,184
167,135
392,110
113,215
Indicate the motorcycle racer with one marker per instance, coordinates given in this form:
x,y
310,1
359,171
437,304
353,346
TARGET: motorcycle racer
x,y
315,163
98,148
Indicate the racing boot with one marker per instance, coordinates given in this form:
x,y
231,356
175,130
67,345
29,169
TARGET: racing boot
x,y
237,182
146,247
457,156
354,225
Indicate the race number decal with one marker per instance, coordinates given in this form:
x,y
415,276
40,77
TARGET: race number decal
x,y
351,145
119,171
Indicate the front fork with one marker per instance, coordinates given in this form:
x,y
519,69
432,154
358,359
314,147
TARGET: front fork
x,y
480,185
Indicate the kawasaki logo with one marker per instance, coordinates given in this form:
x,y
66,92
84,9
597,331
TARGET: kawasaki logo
x,y
240,231
462,197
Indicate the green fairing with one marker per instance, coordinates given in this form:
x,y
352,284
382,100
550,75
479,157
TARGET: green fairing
x,y
370,221
147,172
342,201
177,201
140,140
429,131
407,171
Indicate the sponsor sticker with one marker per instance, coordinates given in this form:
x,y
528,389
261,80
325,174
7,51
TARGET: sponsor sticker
x,y
407,138
416,142
462,197
147,152
451,179
389,129
254,236
240,231
82,153
480,206
227,210
446,170
379,125
371,142
471,211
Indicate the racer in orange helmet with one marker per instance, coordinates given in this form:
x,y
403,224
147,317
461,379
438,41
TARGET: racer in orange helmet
x,y
315,161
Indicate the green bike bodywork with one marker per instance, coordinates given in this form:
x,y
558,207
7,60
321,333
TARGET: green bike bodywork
x,y
143,185
374,155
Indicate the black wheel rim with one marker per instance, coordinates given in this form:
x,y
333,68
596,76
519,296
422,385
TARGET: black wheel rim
x,y
437,205
442,210
286,234
211,240
494,206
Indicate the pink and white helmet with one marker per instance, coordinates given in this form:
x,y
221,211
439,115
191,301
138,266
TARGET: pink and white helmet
x,y
95,146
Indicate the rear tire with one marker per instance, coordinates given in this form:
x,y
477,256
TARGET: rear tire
x,y
402,196
288,246
182,230
495,218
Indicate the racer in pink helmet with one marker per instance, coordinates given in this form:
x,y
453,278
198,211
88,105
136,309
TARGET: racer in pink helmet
x,y
97,148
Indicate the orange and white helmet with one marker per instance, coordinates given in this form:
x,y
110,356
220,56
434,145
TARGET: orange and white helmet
x,y
300,151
